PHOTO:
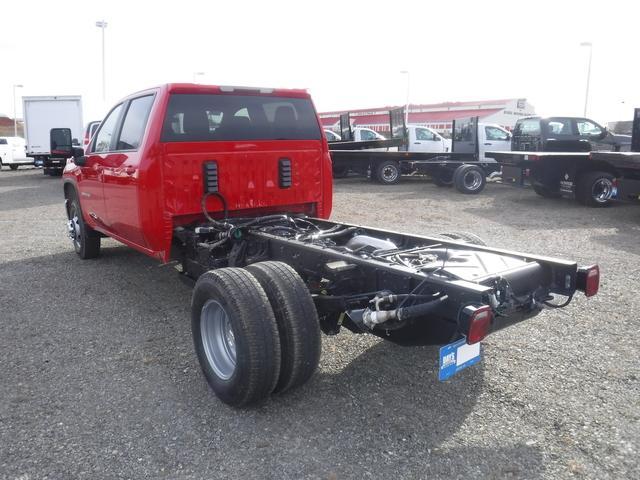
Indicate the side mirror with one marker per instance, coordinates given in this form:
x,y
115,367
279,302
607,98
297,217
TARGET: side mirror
x,y
78,156
61,145
604,134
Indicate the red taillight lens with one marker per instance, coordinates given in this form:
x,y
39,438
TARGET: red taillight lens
x,y
588,280
479,323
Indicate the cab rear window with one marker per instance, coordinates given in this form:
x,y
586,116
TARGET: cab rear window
x,y
206,118
529,126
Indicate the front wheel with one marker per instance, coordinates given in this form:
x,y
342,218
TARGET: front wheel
x,y
595,189
388,172
86,241
235,336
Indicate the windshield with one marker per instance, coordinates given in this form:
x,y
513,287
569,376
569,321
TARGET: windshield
x,y
204,118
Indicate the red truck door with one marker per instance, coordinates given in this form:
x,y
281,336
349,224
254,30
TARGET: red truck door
x,y
91,191
121,174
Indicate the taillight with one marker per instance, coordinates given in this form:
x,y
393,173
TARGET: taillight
x,y
479,322
588,280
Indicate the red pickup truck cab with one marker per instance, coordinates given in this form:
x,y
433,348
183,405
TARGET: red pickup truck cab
x,y
234,185
142,173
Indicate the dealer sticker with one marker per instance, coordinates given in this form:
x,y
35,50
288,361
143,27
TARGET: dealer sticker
x,y
457,356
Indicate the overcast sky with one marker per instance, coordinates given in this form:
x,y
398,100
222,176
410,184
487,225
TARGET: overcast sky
x,y
348,54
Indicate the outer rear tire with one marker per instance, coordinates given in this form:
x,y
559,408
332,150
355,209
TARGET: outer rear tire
x,y
233,298
86,241
387,172
469,179
595,189
465,237
297,320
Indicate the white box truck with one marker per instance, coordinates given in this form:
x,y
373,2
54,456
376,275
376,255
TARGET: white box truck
x,y
43,113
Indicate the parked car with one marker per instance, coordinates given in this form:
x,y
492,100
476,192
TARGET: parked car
x,y
565,134
12,152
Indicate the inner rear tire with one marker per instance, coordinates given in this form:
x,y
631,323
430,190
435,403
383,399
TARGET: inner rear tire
x,y
545,192
443,177
297,320
13,167
235,336
340,172
469,179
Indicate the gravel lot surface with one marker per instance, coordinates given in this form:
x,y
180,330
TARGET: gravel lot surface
x,y
98,378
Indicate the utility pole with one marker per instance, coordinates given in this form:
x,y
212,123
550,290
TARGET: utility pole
x,y
15,111
586,95
102,25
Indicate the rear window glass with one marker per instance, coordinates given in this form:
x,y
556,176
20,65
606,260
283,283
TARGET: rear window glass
x,y
529,126
3,141
205,118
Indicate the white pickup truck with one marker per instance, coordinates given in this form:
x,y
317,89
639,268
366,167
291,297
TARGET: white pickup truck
x,y
12,153
491,137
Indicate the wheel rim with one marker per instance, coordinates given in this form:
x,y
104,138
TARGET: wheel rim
x,y
389,173
73,227
472,180
602,190
218,339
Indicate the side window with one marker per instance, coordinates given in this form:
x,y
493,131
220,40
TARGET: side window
x,y
134,123
559,126
496,134
367,135
424,134
587,128
104,136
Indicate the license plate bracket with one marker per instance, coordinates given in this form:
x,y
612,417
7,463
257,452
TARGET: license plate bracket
x,y
456,357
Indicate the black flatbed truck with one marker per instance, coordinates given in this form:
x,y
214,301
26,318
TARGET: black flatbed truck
x,y
593,178
460,167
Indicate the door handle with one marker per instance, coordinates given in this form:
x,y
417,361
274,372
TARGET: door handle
x,y
417,143
488,143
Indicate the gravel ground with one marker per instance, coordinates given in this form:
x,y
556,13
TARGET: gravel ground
x,y
98,376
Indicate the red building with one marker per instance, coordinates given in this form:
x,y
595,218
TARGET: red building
x,y
438,116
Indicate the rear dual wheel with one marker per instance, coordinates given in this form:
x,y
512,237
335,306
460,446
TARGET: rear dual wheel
x,y
595,189
469,179
255,331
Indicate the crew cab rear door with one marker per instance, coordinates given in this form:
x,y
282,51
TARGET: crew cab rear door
x,y
261,153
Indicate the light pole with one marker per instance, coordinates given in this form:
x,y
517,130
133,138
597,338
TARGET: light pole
x,y
406,108
15,113
586,95
197,74
102,25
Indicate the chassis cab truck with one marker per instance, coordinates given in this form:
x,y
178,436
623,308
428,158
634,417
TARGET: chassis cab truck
x,y
234,185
